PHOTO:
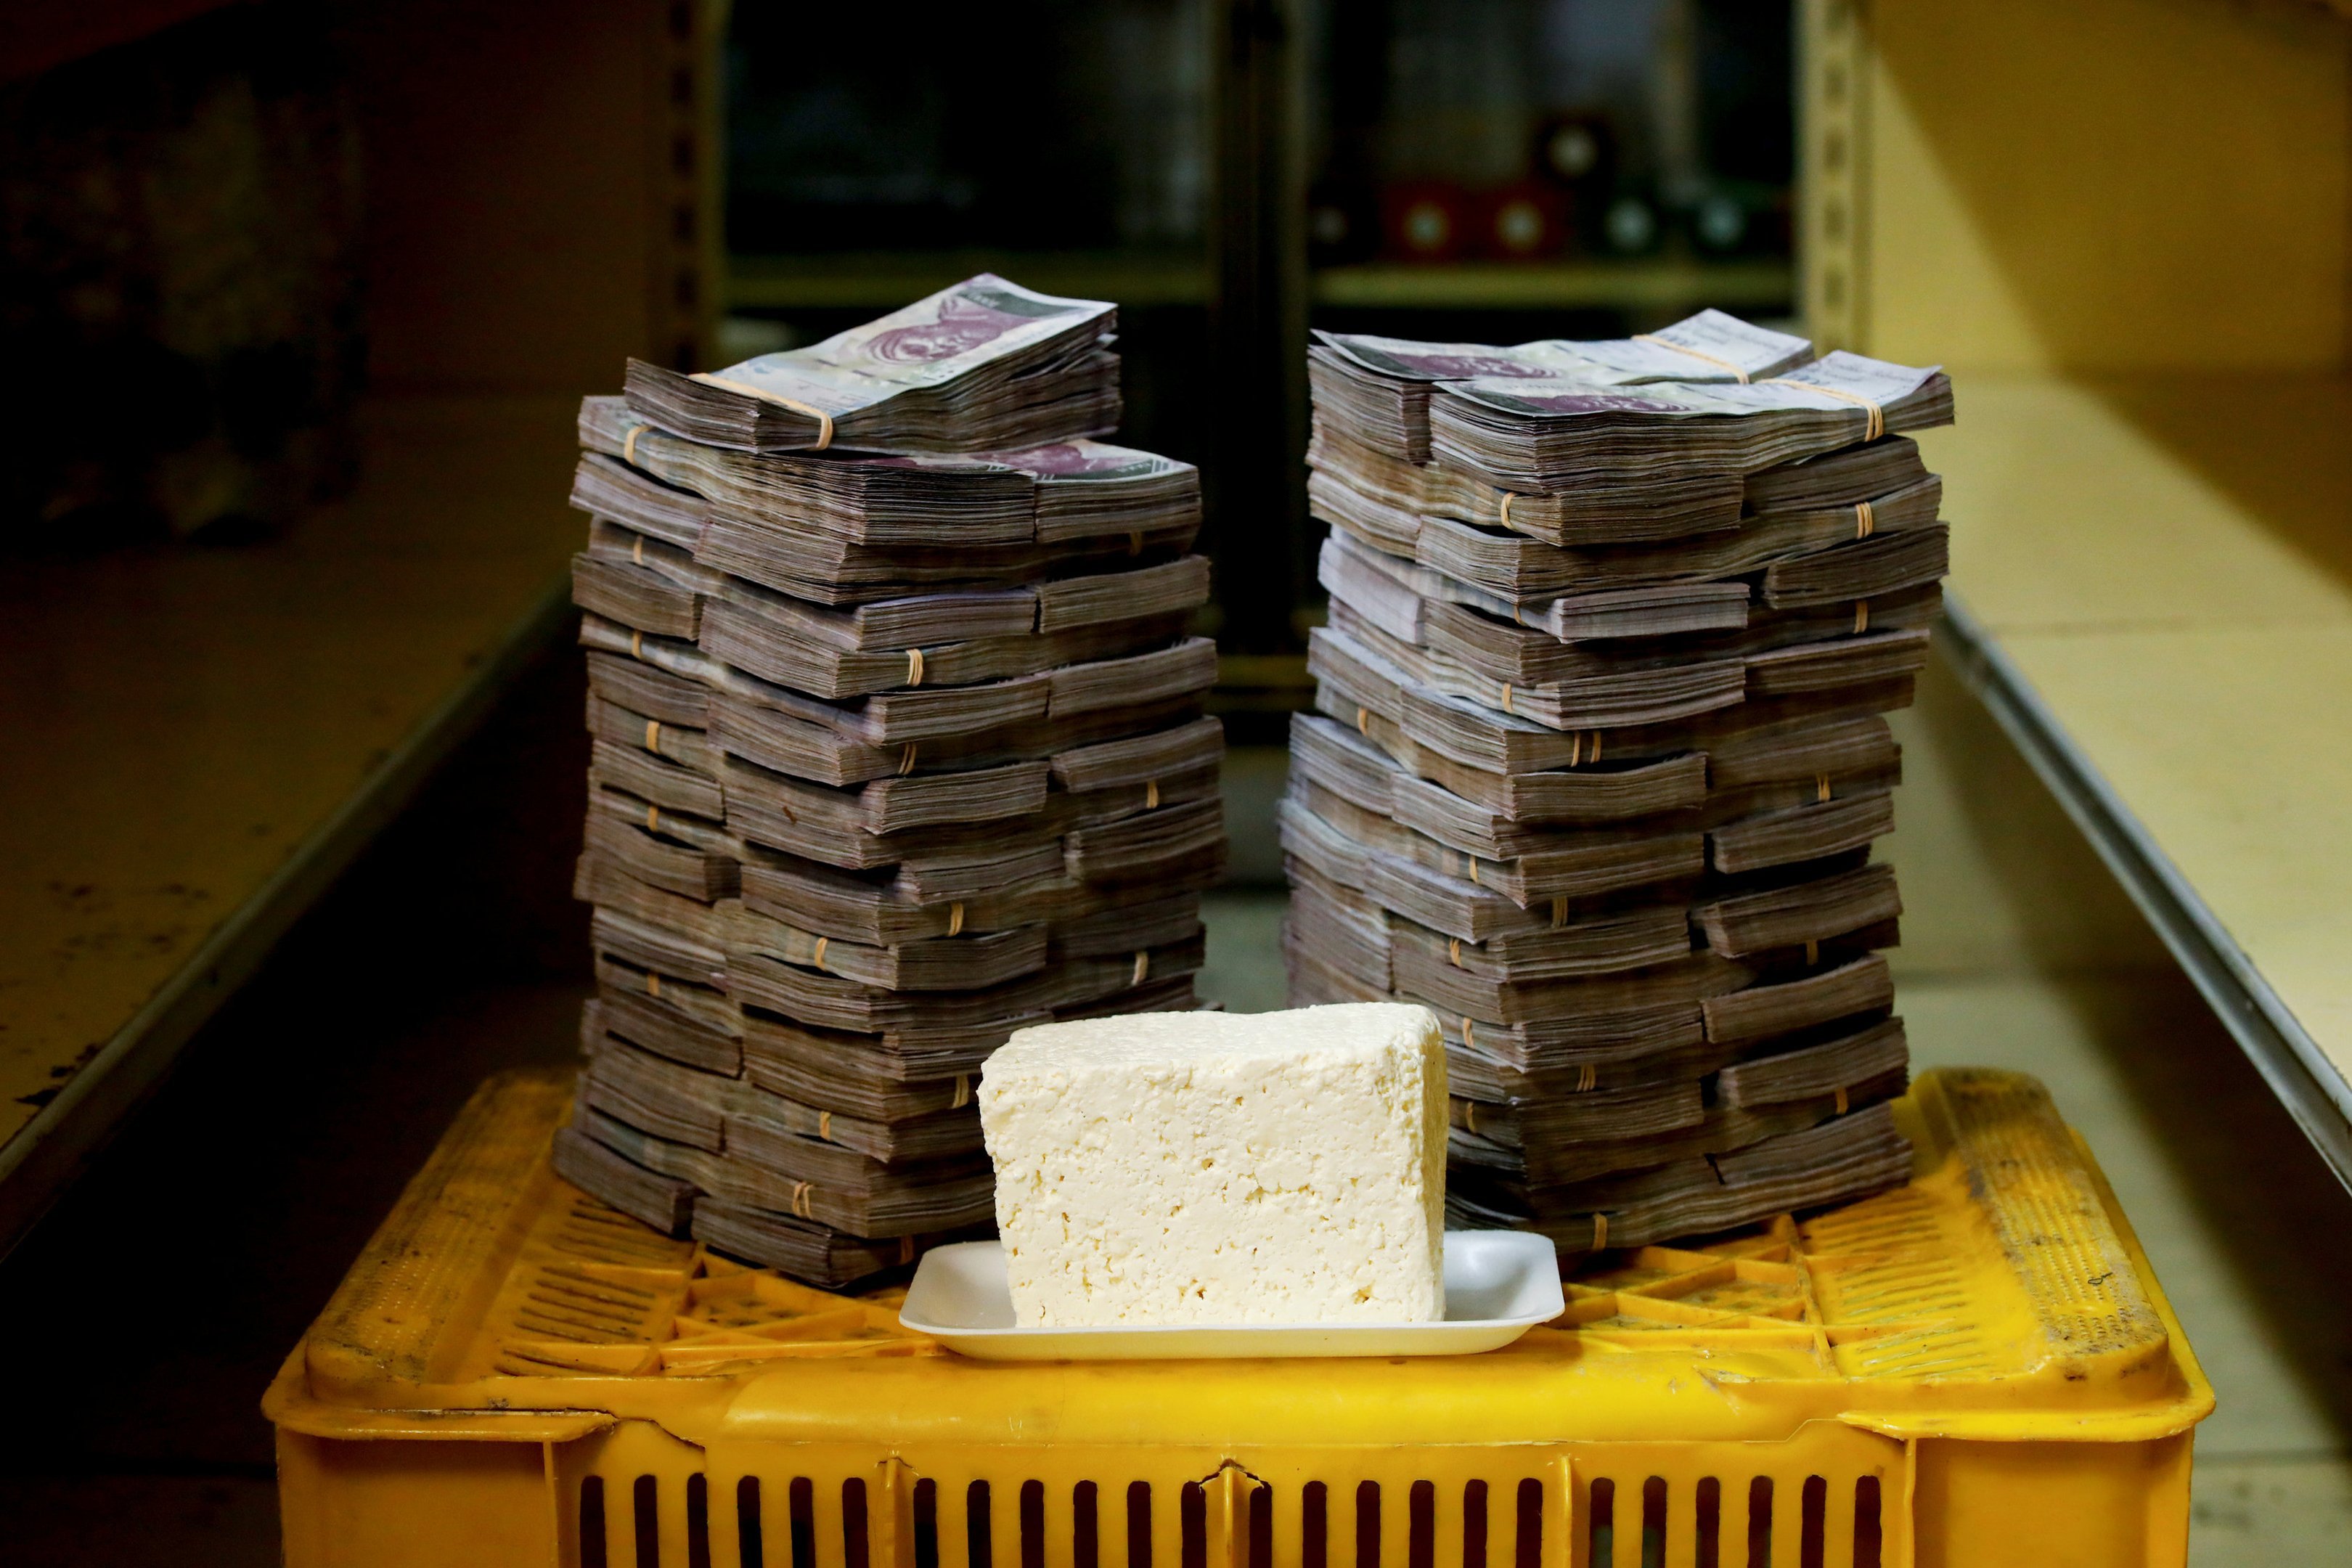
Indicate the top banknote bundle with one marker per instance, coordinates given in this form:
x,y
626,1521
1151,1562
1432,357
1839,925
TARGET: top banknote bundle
x,y
898,746
1601,754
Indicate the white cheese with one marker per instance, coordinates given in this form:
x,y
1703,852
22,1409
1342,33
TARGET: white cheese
x,y
1208,1168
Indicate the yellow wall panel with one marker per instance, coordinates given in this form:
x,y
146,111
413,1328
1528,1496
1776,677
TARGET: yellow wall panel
x,y
2107,184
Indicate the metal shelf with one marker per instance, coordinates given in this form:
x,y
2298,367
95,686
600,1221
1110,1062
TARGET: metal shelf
x,y
2314,1092
2154,600
881,280
224,730
1669,285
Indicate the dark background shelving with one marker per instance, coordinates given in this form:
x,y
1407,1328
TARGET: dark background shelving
x,y
1186,157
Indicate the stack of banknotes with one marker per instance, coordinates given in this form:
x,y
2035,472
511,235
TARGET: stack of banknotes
x,y
1599,756
898,746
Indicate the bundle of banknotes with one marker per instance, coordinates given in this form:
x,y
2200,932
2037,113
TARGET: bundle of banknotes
x,y
1600,754
899,745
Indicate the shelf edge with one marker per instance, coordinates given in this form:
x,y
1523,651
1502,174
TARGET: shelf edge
x,y
2289,1060
1538,286
53,1149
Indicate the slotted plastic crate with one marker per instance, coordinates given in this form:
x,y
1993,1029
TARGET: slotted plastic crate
x,y
1975,1370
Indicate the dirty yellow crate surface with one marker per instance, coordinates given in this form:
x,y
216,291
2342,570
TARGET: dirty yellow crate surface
x,y
1976,1369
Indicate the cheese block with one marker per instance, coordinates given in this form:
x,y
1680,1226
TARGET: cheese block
x,y
1207,1168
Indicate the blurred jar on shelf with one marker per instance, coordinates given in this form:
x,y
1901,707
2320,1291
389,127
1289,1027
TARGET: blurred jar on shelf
x,y
1521,222
1424,220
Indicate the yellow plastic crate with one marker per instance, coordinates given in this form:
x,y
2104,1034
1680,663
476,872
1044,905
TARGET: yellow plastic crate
x,y
1975,1370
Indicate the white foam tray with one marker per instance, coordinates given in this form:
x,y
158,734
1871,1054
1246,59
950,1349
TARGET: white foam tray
x,y
1498,1285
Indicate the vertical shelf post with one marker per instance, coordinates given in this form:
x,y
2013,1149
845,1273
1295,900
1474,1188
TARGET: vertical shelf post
x,y
686,268
1832,228
1256,505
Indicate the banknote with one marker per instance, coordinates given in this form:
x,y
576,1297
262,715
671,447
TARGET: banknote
x,y
1377,389
1552,433
1070,490
1600,757
983,364
1709,346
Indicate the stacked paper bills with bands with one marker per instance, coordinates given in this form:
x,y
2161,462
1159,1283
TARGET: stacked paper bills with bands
x,y
898,746
1600,756
985,364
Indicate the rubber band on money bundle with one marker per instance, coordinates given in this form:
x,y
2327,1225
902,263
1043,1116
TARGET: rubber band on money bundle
x,y
1871,431
1470,1116
1738,374
1364,722
1840,1100
1453,952
818,957
1860,616
1152,794
1600,1232
629,443
637,550
1516,614
1142,968
652,984
1469,1034
907,760
1822,788
801,1200
955,919
1812,950
823,420
1470,867
1506,508
825,1125
653,819
1135,542
914,667
1506,697
1559,911
962,1092
636,645
1863,520
653,734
